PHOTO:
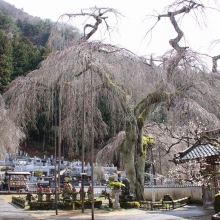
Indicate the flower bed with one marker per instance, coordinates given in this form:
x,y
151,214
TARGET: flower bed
x,y
116,185
88,204
129,205
51,205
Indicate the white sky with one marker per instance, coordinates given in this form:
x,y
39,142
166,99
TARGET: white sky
x,y
133,27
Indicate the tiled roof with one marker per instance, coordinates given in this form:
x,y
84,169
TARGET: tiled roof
x,y
208,147
17,173
198,151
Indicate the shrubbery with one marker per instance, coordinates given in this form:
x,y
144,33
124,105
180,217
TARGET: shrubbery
x,y
217,203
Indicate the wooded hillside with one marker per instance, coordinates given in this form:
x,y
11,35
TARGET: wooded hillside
x,y
23,42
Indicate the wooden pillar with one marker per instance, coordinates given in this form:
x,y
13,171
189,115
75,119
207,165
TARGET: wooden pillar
x,y
9,182
215,180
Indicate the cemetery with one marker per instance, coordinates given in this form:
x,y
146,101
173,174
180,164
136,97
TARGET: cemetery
x,y
36,193
40,192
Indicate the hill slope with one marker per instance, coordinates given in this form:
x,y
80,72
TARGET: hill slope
x,y
17,13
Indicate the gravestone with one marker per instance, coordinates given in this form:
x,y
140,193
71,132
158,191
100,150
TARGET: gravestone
x,y
126,188
125,195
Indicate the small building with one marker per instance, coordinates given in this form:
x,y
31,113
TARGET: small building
x,y
16,180
207,152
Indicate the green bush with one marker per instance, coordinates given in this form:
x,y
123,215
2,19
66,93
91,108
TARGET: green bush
x,y
116,184
129,205
111,178
66,179
38,173
67,205
217,203
88,204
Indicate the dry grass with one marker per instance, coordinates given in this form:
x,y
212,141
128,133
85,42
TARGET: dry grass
x,y
7,198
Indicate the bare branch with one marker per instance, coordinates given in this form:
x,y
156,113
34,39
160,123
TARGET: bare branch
x,y
59,34
107,153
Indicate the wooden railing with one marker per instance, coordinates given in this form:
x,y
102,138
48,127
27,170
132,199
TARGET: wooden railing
x,y
164,204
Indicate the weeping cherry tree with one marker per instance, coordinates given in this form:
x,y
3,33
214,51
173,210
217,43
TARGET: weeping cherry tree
x,y
130,87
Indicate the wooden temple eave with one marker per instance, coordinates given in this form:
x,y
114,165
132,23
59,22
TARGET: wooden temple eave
x,y
211,160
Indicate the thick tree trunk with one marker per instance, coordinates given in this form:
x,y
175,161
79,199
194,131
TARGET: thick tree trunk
x,y
128,158
140,161
133,143
127,151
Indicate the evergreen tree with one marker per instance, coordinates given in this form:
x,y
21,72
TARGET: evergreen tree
x,y
20,57
26,56
5,60
7,24
38,33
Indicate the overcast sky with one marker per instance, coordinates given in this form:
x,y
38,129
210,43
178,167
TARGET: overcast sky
x,y
135,23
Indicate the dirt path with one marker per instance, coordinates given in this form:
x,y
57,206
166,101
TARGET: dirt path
x,y
200,214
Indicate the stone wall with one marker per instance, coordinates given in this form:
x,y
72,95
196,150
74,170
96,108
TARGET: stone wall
x,y
176,192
